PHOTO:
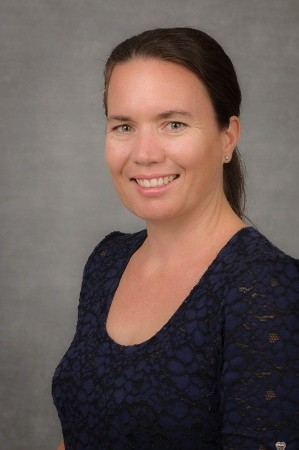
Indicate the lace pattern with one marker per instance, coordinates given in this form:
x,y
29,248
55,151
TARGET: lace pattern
x,y
221,374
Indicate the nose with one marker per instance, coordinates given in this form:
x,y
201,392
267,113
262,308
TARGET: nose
x,y
148,148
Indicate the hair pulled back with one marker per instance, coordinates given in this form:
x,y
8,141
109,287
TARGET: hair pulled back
x,y
201,54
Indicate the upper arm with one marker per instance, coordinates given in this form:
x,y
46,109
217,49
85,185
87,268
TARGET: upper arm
x,y
259,387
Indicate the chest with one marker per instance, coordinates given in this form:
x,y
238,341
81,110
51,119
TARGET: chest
x,y
142,305
167,386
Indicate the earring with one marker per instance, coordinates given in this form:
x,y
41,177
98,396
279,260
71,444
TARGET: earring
x,y
226,158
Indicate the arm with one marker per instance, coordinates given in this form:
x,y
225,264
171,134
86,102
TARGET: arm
x,y
259,391
61,446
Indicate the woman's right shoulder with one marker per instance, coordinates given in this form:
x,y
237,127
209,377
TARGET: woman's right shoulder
x,y
115,245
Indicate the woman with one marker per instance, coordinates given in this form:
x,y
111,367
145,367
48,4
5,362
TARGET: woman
x,y
185,335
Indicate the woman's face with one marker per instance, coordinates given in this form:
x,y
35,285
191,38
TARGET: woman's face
x,y
164,148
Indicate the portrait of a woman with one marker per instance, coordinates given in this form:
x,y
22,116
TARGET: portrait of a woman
x,y
186,330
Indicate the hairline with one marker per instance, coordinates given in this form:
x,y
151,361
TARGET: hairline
x,y
140,56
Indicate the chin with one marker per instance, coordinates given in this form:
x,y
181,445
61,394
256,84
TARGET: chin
x,y
159,215
153,211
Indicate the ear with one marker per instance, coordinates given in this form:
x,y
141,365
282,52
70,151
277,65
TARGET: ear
x,y
231,136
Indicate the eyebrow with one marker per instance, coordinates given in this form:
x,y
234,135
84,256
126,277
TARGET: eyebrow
x,y
163,115
173,113
119,118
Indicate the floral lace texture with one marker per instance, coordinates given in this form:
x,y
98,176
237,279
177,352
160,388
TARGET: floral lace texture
x,y
221,374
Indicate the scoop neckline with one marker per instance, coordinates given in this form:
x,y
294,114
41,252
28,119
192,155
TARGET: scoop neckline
x,y
145,344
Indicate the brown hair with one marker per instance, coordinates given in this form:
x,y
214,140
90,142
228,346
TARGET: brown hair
x,y
201,54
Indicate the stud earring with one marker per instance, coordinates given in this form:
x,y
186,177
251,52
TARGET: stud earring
x,y
281,445
226,158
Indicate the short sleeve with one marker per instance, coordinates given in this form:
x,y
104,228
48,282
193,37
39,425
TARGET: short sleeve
x,y
259,381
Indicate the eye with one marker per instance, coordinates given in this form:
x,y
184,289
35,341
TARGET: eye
x,y
175,126
124,128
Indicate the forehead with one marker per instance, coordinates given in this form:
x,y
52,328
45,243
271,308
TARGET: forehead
x,y
142,82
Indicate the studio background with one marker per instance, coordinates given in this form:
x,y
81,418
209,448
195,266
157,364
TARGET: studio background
x,y
57,201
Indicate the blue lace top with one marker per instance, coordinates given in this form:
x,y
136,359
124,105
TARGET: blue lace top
x,y
221,374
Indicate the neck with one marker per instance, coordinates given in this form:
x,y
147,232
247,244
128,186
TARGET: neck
x,y
168,241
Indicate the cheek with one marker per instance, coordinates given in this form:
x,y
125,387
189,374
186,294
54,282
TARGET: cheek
x,y
110,160
115,159
201,156
190,151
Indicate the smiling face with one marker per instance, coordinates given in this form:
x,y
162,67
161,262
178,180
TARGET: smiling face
x,y
164,148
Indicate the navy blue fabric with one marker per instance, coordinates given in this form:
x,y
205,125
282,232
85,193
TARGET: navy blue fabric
x,y
221,374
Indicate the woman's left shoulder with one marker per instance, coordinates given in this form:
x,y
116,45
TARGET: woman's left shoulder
x,y
253,252
260,343
259,270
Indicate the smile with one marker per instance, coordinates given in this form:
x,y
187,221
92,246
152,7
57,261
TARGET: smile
x,y
155,182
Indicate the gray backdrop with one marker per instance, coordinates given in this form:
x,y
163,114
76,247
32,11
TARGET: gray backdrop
x,y
57,199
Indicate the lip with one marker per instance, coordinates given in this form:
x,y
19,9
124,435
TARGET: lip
x,y
153,175
153,191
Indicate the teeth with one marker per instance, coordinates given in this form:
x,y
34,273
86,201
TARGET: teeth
x,y
154,182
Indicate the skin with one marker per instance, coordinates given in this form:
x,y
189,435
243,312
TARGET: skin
x,y
161,122
143,141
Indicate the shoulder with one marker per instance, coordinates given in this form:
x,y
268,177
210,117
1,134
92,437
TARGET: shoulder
x,y
119,241
259,336
110,255
261,281
253,257
114,246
